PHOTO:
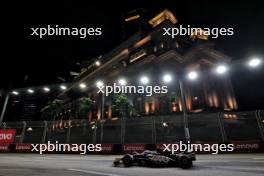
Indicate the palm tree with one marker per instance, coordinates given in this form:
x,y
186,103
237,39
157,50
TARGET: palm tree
x,y
51,109
84,105
121,106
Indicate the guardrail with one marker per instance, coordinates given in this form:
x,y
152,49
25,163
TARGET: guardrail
x,y
206,127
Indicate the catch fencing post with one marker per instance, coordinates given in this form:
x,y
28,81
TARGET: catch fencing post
x,y
222,128
260,125
154,135
23,132
44,132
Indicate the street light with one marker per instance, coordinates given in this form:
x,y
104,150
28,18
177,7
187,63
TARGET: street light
x,y
221,69
46,89
122,82
99,83
29,129
167,78
193,75
254,62
97,63
31,91
63,87
144,80
15,93
82,85
164,124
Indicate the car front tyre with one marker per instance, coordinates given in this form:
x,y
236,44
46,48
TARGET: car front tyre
x,y
185,162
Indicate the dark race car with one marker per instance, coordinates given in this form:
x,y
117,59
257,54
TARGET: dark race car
x,y
155,159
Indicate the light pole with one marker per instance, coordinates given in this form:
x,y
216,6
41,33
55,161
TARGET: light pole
x,y
103,104
167,78
100,84
185,112
4,108
102,120
123,82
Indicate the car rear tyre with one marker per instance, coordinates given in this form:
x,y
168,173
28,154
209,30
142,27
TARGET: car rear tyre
x,y
185,162
127,161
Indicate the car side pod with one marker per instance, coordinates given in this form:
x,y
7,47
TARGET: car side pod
x,y
155,159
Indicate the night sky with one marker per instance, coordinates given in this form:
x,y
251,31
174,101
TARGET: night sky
x,y
29,61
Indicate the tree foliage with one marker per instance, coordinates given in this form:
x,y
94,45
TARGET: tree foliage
x,y
121,106
84,105
51,109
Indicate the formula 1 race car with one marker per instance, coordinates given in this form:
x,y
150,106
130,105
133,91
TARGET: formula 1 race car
x,y
155,159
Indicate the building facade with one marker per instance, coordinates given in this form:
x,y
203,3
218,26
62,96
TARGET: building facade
x,y
151,53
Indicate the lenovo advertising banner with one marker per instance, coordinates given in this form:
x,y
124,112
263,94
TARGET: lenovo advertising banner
x,y
7,136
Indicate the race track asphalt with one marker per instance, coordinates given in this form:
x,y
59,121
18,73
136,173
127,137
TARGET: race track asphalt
x,y
101,165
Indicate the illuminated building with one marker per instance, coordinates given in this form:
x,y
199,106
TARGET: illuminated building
x,y
150,52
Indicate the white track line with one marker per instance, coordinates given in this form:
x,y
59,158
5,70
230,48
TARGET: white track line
x,y
93,172
258,158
